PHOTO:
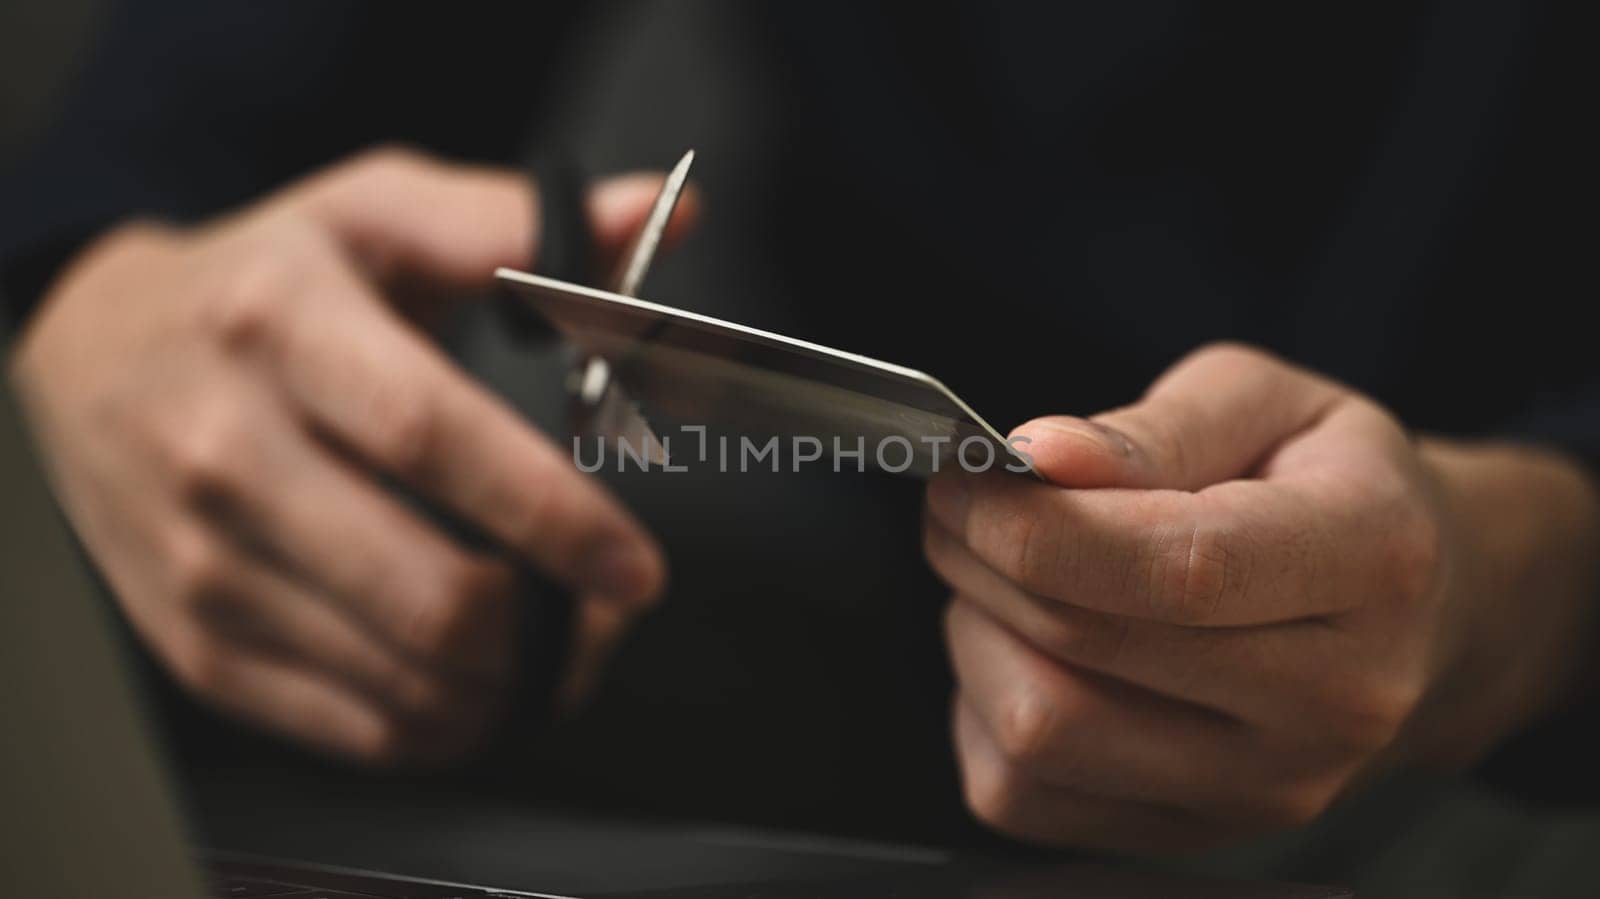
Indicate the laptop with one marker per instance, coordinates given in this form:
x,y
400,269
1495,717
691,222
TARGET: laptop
x,y
90,806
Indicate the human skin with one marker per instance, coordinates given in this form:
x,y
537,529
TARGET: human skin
x,y
1223,608
1231,603
218,406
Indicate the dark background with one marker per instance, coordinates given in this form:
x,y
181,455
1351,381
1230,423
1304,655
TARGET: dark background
x,y
638,85
41,44
809,693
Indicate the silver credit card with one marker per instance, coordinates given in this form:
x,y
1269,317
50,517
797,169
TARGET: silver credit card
x,y
691,370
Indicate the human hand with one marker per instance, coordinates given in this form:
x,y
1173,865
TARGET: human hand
x,y
216,406
1241,596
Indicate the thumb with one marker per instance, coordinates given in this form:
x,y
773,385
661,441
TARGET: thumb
x,y
409,220
618,207
1216,415
406,216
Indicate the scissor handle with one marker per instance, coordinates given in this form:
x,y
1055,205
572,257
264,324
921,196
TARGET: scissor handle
x,y
566,239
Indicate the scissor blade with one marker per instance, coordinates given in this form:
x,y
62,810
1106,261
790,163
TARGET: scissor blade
x,y
602,406
611,415
636,262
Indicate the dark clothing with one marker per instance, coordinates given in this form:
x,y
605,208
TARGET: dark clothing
x,y
1044,208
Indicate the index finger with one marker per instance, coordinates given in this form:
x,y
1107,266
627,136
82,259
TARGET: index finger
x,y
379,388
1240,553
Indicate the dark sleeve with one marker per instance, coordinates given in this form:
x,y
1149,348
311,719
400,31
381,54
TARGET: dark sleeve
x,y
1533,260
1536,268
1523,271
192,106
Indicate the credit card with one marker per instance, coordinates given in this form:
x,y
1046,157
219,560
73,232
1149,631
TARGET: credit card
x,y
689,371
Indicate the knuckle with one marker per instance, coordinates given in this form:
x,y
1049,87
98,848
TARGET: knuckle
x,y
1194,573
207,457
405,434
1026,548
247,309
453,611
1027,725
200,573
199,664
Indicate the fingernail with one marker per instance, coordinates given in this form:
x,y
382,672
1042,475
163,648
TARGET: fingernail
x,y
1119,442
1112,440
948,498
626,572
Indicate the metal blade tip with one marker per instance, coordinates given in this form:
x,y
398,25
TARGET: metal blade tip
x,y
680,172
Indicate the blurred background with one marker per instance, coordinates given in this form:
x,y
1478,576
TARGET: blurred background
x,y
633,87
41,45
776,671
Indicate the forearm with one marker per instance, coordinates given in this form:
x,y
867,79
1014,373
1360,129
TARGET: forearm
x,y
1526,579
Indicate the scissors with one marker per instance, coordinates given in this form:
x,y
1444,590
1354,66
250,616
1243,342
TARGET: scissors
x,y
597,404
